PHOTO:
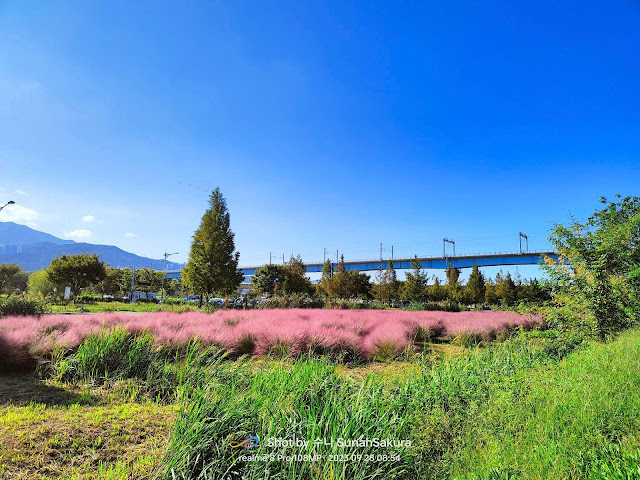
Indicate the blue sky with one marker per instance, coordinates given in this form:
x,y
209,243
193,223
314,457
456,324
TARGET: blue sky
x,y
325,124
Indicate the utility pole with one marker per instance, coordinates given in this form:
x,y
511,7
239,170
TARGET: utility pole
x,y
283,258
269,258
380,252
164,272
336,257
520,237
392,253
324,255
133,282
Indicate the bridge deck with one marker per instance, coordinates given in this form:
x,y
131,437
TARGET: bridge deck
x,y
429,263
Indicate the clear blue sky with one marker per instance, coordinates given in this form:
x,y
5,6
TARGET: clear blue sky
x,y
325,124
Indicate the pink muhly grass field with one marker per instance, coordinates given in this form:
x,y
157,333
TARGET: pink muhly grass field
x,y
258,331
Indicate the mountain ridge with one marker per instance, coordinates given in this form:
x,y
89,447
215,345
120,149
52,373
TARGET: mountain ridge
x,y
39,254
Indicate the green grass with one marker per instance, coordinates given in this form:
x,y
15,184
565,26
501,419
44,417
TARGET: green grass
x,y
577,419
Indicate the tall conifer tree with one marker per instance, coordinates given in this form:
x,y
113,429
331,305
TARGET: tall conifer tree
x,y
213,262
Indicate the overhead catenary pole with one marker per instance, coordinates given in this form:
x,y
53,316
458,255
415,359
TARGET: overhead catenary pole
x,y
444,242
520,237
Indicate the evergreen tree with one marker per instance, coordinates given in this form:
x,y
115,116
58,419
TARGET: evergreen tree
x,y
454,289
506,290
437,292
490,294
392,281
213,262
476,288
415,286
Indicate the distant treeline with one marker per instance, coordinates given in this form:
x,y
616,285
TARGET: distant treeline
x,y
278,280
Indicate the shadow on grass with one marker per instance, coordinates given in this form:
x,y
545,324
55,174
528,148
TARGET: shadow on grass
x,y
22,390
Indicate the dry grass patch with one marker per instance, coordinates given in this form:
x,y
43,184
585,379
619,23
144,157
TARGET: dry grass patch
x,y
121,441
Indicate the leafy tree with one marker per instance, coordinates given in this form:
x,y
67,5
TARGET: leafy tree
x,y
19,282
111,285
295,278
213,262
268,279
8,272
597,277
346,284
39,285
476,288
415,285
77,271
386,288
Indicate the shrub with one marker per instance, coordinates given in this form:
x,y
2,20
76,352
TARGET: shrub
x,y
88,298
22,306
563,344
296,300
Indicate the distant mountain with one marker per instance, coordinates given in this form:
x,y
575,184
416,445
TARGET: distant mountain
x,y
37,255
12,233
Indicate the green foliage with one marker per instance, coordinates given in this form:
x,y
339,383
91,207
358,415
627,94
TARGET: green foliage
x,y
294,300
454,289
16,305
346,284
39,286
76,271
594,284
415,285
213,262
295,279
8,276
506,290
268,279
437,292
386,287
88,298
476,287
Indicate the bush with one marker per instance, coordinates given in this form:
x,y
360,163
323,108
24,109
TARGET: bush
x,y
563,344
22,306
296,300
88,298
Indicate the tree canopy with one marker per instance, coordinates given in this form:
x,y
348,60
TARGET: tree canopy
x,y
213,261
77,271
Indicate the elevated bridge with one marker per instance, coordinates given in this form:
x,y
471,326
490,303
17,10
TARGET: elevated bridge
x,y
492,259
